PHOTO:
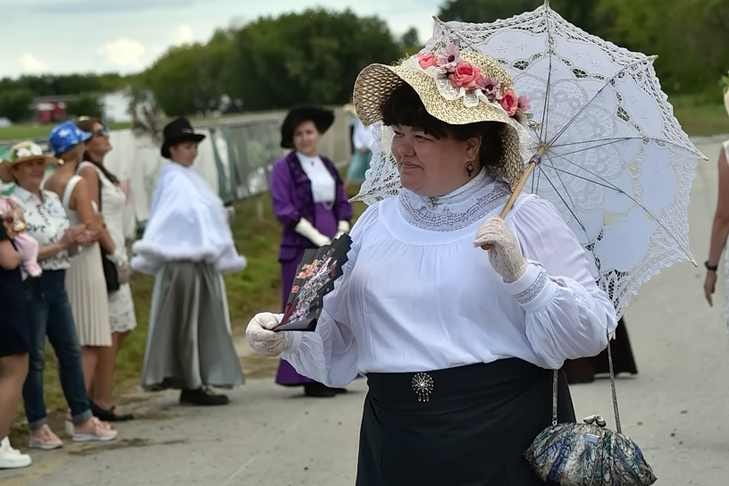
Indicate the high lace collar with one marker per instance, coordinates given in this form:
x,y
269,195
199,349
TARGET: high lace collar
x,y
457,209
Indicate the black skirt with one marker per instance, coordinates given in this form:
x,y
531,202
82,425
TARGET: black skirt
x,y
470,427
583,370
14,314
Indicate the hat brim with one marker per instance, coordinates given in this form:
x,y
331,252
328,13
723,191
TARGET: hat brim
x,y
376,82
185,137
322,119
30,158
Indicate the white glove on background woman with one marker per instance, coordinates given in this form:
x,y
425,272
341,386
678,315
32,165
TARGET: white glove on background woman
x,y
504,251
264,341
307,230
342,228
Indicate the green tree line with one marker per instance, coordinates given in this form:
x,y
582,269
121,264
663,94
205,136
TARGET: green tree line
x,y
314,56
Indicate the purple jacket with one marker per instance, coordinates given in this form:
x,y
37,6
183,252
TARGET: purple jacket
x,y
292,200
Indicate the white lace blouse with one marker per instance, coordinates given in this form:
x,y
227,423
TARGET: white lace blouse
x,y
417,296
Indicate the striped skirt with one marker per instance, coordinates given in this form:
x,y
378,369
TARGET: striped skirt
x,y
89,300
189,343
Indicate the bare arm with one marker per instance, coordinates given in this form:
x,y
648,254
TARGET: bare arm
x,y
81,199
9,258
720,227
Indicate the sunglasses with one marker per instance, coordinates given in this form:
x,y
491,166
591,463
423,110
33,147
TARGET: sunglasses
x,y
103,132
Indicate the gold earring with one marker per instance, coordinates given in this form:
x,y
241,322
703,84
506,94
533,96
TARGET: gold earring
x,y
470,169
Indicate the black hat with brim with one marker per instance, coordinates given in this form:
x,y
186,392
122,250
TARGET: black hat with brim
x,y
321,118
177,131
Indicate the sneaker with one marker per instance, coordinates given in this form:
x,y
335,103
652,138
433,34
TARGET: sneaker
x,y
5,445
12,458
44,439
101,432
202,396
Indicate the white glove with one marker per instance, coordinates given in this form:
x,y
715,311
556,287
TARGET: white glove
x,y
264,341
307,230
342,228
504,252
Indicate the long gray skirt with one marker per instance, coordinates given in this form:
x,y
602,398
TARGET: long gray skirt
x,y
189,343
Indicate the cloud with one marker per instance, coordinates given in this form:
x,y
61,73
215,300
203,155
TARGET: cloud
x,y
183,34
31,64
73,7
124,53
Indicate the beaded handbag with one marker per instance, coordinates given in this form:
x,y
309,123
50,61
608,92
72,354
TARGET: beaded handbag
x,y
588,454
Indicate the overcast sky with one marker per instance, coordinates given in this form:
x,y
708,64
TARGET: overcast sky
x,y
64,36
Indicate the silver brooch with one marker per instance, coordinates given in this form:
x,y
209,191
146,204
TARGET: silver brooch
x,y
423,385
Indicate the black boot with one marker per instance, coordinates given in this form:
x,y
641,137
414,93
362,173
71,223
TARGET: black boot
x,y
109,415
318,390
202,396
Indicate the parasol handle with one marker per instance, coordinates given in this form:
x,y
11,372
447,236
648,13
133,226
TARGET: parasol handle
x,y
520,185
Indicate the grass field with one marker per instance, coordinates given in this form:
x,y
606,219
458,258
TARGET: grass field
x,y
35,131
699,115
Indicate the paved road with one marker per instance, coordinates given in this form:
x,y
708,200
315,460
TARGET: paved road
x,y
677,408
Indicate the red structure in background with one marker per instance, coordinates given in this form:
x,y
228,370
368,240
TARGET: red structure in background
x,y
50,109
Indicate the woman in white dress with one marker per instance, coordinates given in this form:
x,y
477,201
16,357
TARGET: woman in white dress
x,y
111,199
720,228
456,343
85,281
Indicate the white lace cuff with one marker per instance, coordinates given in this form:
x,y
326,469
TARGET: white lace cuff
x,y
534,290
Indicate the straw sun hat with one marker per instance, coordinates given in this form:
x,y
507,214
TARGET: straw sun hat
x,y
456,87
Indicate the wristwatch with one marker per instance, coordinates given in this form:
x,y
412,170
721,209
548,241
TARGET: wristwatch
x,y
711,268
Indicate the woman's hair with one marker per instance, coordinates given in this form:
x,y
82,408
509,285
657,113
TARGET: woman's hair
x,y
404,107
87,125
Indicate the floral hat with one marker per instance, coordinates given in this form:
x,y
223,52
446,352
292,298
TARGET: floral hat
x,y
456,87
25,152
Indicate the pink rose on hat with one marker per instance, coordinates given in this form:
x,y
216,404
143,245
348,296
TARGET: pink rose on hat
x,y
466,75
509,102
427,60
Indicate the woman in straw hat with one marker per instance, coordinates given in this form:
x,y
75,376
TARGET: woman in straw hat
x,y
310,203
457,344
49,311
720,228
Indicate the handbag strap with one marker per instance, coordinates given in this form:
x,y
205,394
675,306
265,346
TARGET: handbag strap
x,y
555,387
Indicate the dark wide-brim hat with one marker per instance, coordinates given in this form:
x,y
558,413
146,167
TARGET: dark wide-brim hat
x,y
176,131
321,118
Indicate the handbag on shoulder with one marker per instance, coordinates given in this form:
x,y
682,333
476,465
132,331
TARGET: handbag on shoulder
x,y
588,454
111,271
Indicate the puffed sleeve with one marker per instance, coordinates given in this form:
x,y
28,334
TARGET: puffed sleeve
x,y
329,354
282,195
567,315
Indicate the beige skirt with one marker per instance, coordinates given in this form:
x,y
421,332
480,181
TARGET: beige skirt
x,y
86,289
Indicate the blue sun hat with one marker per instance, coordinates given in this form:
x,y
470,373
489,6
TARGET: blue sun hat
x,y
65,136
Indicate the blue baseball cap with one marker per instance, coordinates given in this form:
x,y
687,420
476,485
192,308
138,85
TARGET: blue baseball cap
x,y
65,136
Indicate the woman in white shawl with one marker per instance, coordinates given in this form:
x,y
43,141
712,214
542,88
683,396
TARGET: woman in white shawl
x,y
187,244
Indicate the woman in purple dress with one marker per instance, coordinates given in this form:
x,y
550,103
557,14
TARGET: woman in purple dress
x,y
310,202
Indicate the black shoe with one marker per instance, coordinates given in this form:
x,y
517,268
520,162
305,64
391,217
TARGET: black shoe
x,y
202,396
318,390
109,415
